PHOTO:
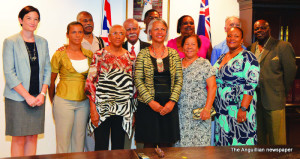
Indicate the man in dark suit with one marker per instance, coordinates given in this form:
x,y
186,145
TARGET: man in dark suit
x,y
133,44
277,73
132,35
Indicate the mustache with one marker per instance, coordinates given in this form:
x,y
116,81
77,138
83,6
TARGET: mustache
x,y
132,35
89,25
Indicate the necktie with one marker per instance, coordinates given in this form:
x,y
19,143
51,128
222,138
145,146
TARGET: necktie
x,y
132,50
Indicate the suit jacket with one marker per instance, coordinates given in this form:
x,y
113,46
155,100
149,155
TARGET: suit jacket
x,y
277,73
142,45
16,64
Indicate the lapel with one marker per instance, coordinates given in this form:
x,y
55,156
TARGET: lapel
x,y
125,45
268,48
253,47
39,48
142,45
23,49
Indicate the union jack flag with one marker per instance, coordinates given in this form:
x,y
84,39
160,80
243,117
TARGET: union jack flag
x,y
106,23
204,19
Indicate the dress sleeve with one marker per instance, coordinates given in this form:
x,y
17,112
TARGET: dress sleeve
x,y
251,73
9,68
47,68
175,92
139,77
92,78
210,70
55,62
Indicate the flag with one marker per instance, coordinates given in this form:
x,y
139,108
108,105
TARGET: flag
x,y
106,23
204,19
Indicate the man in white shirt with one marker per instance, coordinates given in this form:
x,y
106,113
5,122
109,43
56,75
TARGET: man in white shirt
x,y
89,41
222,47
133,44
132,35
149,15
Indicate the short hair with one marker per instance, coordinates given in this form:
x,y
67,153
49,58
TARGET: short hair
x,y
180,21
116,25
150,11
72,24
26,10
227,18
240,29
83,12
151,25
195,36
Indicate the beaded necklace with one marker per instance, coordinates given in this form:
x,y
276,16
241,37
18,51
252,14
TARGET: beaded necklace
x,y
159,61
32,59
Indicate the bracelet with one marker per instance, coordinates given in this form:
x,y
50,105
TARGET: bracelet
x,y
42,93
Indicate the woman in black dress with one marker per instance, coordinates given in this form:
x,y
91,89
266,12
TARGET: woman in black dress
x,y
158,78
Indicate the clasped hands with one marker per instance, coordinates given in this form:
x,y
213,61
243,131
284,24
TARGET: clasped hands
x,y
155,106
35,101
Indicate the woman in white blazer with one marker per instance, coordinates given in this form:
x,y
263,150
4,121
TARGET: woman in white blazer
x,y
27,72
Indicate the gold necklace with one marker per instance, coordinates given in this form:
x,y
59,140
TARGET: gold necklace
x,y
32,59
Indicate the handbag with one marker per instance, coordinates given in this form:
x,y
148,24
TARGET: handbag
x,y
197,112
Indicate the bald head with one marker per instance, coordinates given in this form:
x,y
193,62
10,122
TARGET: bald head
x,y
263,22
116,35
232,21
132,30
262,31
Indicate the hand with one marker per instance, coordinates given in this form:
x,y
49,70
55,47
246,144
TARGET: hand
x,y
167,108
40,100
241,116
95,119
63,48
155,106
205,114
31,100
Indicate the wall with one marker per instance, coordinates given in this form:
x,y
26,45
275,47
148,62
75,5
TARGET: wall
x,y
56,14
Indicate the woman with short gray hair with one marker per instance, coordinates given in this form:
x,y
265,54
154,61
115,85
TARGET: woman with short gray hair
x,y
158,78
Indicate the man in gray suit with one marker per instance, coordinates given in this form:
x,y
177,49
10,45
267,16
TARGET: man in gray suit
x,y
133,44
277,73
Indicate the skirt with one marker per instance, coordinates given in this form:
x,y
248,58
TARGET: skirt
x,y
151,127
22,119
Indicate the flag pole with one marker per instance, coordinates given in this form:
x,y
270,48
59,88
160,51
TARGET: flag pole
x,y
102,17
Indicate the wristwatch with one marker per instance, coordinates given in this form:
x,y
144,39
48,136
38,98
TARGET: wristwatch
x,y
243,108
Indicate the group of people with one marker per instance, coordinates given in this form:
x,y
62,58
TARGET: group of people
x,y
144,87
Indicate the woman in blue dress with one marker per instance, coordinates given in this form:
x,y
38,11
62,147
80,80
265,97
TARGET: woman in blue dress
x,y
235,104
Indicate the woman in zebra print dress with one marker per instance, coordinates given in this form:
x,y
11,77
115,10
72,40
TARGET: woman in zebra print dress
x,y
109,87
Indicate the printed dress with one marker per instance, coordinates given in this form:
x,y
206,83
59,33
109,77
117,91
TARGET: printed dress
x,y
237,77
193,95
110,86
